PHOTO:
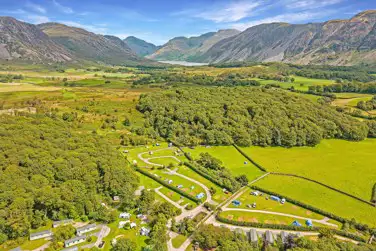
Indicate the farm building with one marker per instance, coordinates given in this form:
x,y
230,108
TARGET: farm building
x,y
269,237
124,215
252,236
40,235
74,241
144,231
70,249
62,223
86,229
200,196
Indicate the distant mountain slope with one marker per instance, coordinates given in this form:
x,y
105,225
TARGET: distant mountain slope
x,y
140,47
183,48
89,46
337,42
19,40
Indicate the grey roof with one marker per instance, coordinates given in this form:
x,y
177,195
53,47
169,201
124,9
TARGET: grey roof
x,y
70,249
75,239
16,249
253,235
86,227
41,233
269,236
284,236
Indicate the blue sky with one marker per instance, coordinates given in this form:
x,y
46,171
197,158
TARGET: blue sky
x,y
158,21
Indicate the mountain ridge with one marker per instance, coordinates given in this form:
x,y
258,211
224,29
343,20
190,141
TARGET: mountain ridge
x,y
337,42
189,48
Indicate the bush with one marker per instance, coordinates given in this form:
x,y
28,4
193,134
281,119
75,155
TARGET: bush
x,y
374,194
189,207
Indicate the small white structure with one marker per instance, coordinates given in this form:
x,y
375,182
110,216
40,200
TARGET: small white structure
x,y
245,162
144,231
122,223
41,235
126,151
283,201
124,215
133,225
170,182
74,241
255,193
116,198
179,186
85,229
134,162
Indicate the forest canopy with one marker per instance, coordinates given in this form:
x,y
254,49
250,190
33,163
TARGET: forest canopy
x,y
50,172
245,116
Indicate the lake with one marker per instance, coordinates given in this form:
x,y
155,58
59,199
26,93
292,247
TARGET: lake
x,y
185,63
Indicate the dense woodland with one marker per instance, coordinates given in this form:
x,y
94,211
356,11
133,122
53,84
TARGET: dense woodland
x,y
229,79
50,172
245,116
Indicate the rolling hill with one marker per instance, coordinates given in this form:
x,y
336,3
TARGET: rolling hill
x,y
140,47
24,41
189,49
336,42
89,46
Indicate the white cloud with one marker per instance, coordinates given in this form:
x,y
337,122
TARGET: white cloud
x,y
36,7
231,12
14,12
309,4
64,9
37,19
99,29
287,17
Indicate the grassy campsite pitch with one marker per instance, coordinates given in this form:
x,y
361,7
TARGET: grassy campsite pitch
x,y
348,166
230,158
320,197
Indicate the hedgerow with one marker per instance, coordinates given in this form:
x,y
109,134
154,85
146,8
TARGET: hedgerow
x,y
249,158
208,177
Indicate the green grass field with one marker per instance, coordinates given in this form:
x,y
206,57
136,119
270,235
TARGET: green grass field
x,y
231,159
274,206
178,241
264,218
132,234
349,166
320,197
